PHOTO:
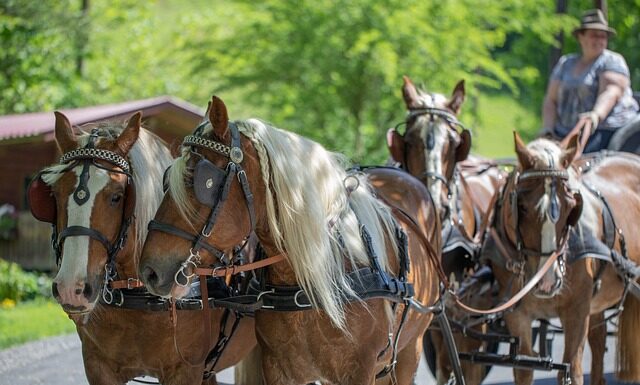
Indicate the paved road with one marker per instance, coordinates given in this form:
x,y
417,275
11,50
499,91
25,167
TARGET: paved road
x,y
58,361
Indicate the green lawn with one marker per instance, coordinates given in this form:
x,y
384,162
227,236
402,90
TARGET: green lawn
x,y
498,117
31,321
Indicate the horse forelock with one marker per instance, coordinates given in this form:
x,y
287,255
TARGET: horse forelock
x,y
308,182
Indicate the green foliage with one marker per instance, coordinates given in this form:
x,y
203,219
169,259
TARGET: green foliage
x,y
330,70
36,58
18,285
31,321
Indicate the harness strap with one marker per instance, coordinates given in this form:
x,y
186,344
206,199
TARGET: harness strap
x,y
522,292
225,271
72,231
160,226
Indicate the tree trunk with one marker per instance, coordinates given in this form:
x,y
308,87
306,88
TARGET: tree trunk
x,y
556,51
83,37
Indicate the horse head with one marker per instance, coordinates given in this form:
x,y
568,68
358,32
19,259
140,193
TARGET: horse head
x,y
89,197
208,208
543,203
431,144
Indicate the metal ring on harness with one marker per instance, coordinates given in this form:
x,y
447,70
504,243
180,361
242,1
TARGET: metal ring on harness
x,y
184,265
263,293
298,304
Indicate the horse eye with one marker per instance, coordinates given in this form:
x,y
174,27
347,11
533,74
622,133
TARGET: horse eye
x,y
115,199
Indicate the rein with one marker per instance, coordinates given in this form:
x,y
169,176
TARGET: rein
x,y
517,266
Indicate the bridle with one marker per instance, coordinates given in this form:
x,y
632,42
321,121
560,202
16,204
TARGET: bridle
x,y
211,185
43,207
523,252
452,122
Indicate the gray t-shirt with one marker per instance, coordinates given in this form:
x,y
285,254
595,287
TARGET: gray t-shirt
x,y
577,93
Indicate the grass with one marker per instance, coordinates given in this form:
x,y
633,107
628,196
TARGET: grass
x,y
498,117
32,320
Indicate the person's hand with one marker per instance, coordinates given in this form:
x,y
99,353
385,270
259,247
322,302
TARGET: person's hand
x,y
590,118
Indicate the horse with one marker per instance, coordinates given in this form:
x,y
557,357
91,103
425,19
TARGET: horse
x,y
99,198
325,237
435,148
567,225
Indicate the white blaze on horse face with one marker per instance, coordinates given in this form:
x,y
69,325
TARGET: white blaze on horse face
x,y
547,240
434,157
75,255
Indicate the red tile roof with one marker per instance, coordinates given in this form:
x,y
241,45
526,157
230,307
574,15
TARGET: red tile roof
x,y
39,123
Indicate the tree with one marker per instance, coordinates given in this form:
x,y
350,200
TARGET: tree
x,y
332,70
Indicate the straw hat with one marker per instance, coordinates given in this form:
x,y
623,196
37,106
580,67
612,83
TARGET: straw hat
x,y
594,19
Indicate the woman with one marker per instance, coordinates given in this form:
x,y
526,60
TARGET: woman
x,y
590,90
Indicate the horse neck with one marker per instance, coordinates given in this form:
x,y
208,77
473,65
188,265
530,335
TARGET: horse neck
x,y
280,273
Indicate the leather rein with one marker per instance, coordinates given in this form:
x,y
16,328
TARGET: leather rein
x,y
497,232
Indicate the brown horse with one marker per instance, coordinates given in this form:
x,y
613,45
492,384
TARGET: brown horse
x,y
326,225
436,151
99,199
547,206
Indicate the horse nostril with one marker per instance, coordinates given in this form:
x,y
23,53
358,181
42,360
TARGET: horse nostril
x,y
54,290
87,291
149,276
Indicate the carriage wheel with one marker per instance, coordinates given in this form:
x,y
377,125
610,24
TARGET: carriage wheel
x,y
430,354
627,138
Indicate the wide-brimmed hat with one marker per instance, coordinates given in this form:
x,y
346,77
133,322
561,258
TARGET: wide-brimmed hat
x,y
594,19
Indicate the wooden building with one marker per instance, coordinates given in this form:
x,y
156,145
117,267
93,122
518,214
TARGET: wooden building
x,y
27,145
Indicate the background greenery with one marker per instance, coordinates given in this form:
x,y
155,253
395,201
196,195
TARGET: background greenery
x,y
27,311
329,69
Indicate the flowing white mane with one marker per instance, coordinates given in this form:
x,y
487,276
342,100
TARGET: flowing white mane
x,y
311,212
148,158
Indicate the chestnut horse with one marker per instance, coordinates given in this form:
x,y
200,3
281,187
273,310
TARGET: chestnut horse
x,y
548,206
99,199
435,148
322,224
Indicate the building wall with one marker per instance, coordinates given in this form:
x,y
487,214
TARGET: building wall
x,y
19,162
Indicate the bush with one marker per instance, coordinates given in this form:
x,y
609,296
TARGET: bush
x,y
18,285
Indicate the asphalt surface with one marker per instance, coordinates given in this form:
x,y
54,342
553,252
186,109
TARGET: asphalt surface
x,y
58,361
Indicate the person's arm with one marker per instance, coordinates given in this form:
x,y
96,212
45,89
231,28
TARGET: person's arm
x,y
610,89
549,107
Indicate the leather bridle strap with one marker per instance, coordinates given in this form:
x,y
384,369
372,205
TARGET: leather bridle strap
x,y
520,294
195,239
224,271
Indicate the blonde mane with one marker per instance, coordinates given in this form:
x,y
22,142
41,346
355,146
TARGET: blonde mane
x,y
148,158
313,213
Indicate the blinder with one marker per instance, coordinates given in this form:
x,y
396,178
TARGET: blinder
x,y
207,179
42,203
41,200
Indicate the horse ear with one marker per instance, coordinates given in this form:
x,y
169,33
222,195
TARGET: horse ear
x,y
395,143
219,117
130,134
462,151
457,98
410,94
65,138
569,153
524,156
